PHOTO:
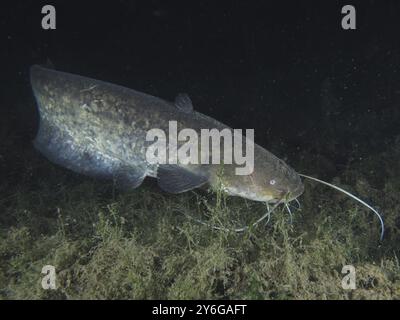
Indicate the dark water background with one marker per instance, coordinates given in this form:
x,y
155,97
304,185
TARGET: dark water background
x,y
258,65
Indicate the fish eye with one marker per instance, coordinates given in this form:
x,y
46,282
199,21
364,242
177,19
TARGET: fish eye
x,y
272,182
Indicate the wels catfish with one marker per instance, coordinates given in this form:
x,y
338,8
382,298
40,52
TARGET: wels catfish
x,y
99,129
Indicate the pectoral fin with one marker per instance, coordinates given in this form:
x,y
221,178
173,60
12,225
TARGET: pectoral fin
x,y
176,179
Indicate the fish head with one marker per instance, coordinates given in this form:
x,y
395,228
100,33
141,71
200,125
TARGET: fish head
x,y
284,183
267,183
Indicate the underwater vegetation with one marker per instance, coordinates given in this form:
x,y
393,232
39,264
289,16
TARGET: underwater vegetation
x,y
140,245
143,244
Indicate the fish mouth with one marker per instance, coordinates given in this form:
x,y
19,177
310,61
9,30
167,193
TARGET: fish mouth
x,y
289,194
296,192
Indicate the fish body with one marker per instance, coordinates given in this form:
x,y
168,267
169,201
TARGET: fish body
x,y
99,129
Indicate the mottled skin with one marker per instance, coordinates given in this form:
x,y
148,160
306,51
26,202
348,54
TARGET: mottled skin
x,y
99,129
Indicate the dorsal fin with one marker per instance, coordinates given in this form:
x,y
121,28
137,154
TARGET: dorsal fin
x,y
183,103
